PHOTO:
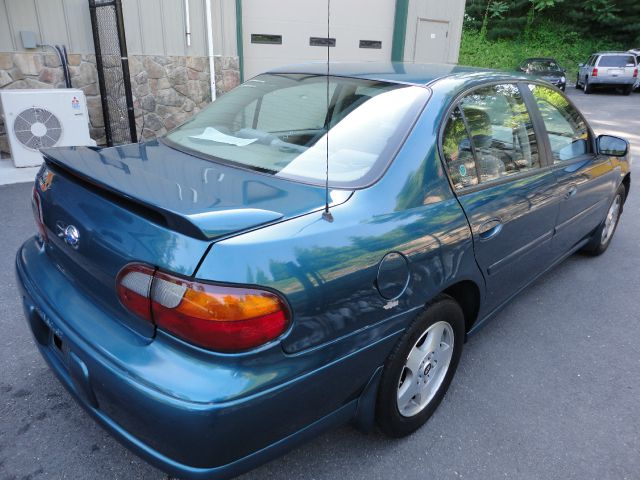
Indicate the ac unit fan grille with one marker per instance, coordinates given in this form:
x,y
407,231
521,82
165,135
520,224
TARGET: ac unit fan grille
x,y
37,128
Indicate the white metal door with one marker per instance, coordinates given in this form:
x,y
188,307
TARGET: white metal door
x,y
283,32
432,42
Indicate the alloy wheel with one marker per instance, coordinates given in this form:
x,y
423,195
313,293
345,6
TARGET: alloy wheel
x,y
611,220
425,369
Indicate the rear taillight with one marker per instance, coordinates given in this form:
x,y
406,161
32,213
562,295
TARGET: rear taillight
x,y
594,72
635,73
37,213
222,318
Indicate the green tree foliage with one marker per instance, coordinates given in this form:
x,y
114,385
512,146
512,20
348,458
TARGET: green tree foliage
x,y
547,39
613,20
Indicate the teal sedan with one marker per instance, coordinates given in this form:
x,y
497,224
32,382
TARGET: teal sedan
x,y
308,251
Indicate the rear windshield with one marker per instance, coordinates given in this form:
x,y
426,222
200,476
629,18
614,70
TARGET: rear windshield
x,y
277,123
617,61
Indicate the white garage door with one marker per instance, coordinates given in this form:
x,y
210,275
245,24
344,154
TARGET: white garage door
x,y
282,32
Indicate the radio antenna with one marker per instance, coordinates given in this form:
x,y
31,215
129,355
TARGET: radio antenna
x,y
327,214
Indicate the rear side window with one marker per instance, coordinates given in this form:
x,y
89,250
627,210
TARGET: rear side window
x,y
619,61
501,132
456,147
568,132
498,136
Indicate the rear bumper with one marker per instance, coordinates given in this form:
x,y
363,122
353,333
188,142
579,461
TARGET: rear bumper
x,y
604,80
178,430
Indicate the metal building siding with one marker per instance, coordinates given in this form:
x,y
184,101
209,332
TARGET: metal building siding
x,y
451,11
157,27
21,16
54,21
6,39
153,27
131,16
223,15
78,24
198,46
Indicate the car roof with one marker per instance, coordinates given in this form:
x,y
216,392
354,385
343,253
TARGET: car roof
x,y
396,72
612,53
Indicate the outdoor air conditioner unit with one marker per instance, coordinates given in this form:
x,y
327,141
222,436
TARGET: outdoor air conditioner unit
x,y
36,119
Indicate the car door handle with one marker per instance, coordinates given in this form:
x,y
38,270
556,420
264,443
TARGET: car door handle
x,y
490,229
571,192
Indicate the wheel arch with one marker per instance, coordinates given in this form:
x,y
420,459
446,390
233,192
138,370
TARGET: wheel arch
x,y
467,294
626,181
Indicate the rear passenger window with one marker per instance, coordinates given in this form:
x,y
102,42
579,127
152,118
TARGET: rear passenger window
x,y
458,155
489,136
501,132
568,133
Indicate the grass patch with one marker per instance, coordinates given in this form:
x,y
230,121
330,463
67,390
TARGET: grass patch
x,y
546,39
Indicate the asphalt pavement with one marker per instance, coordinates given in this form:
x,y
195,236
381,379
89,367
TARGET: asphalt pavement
x,y
550,389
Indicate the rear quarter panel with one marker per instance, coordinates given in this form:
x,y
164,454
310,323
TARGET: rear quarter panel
x,y
327,270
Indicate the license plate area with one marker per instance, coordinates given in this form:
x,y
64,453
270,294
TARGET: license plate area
x,y
48,335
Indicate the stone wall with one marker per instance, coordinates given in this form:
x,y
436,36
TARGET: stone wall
x,y
169,90
166,90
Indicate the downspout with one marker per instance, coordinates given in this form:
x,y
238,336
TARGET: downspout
x,y
212,63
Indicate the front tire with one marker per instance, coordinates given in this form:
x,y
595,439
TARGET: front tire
x,y
578,86
419,370
603,235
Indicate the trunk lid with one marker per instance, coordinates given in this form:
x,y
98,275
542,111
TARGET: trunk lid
x,y
152,204
194,196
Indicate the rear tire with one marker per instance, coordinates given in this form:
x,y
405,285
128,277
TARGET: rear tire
x,y
419,370
603,235
627,90
587,88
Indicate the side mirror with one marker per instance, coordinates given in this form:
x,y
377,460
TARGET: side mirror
x,y
612,146
563,70
581,65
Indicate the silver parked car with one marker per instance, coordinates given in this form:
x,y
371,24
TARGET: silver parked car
x,y
611,69
636,53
